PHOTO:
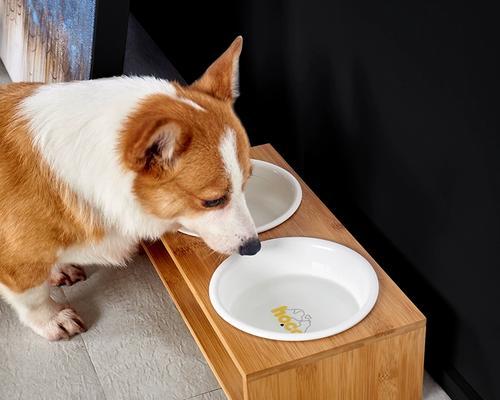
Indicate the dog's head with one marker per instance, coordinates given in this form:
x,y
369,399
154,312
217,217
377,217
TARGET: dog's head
x,y
191,157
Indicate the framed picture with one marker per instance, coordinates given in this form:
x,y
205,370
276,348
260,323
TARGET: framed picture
x,y
62,40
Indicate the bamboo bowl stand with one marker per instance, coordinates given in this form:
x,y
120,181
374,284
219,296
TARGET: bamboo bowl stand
x,y
381,358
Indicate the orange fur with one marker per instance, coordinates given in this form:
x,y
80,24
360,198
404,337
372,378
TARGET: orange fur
x,y
197,174
39,215
218,80
42,216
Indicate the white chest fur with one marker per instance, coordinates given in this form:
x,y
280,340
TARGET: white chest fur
x,y
113,249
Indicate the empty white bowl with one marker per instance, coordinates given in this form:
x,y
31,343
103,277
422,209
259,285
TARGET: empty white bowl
x,y
295,288
272,194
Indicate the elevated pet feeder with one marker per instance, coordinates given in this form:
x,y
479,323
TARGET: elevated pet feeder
x,y
379,358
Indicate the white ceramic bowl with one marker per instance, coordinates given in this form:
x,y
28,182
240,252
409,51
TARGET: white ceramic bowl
x,y
295,288
272,194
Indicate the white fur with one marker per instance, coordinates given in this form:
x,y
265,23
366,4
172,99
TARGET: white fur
x,y
235,78
226,229
113,249
229,154
33,299
190,102
76,127
166,136
42,314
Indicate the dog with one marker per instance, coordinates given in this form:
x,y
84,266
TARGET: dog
x,y
90,168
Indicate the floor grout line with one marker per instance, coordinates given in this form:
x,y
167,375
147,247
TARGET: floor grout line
x,y
81,337
201,394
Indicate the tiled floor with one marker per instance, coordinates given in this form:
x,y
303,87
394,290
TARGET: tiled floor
x,y
137,346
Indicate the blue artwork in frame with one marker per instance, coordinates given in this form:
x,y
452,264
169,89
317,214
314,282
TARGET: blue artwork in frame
x,y
47,40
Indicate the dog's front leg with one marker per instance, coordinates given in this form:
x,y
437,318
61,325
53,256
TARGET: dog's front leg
x,y
37,310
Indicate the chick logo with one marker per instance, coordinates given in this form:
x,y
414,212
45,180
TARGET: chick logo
x,y
294,320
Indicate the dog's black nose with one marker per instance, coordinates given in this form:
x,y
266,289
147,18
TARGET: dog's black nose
x,y
250,247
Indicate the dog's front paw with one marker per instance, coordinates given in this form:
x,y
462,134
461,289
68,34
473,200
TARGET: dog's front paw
x,y
63,325
66,275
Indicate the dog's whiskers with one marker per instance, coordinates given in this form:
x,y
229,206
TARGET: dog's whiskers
x,y
218,257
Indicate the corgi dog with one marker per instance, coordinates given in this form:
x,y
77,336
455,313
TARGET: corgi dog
x,y
90,168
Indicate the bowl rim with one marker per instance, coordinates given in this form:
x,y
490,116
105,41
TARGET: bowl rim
x,y
296,201
363,311
283,217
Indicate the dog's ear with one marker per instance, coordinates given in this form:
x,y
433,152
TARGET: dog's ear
x,y
221,79
157,146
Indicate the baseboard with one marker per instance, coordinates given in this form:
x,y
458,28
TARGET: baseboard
x,y
454,384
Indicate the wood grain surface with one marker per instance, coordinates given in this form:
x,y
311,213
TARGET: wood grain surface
x,y
389,369
255,357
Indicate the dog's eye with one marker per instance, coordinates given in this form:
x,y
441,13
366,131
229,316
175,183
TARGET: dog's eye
x,y
214,203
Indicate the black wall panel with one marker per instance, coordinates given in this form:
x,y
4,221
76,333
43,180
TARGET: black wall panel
x,y
390,110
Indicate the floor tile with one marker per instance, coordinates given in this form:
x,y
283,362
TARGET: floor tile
x,y
432,391
33,368
137,341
